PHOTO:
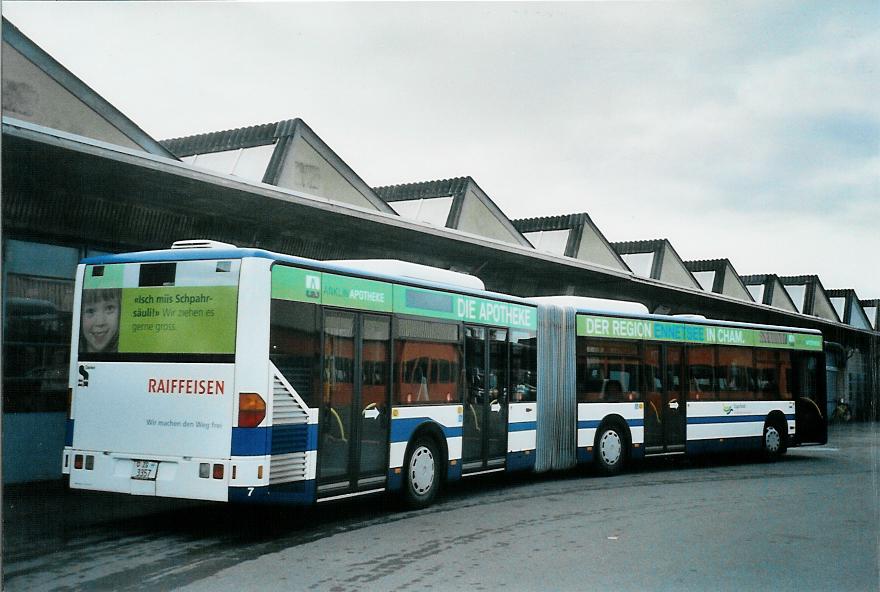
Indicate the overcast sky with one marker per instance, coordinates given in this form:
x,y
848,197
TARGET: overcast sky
x,y
735,129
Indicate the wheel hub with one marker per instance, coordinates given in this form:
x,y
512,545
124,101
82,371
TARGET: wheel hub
x,y
772,439
421,470
610,447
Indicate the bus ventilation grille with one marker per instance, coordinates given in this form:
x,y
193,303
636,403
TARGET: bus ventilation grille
x,y
290,432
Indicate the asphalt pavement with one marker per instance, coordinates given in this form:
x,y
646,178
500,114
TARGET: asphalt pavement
x,y
809,522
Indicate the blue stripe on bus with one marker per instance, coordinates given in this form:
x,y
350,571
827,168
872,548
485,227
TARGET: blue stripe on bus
x,y
280,439
585,453
395,477
394,482
731,419
293,438
402,429
520,461
522,426
250,441
723,444
593,424
68,433
296,492
453,472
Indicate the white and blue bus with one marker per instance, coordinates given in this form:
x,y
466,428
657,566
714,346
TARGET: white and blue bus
x,y
213,372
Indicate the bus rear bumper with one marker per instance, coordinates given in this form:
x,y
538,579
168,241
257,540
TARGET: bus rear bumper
x,y
178,477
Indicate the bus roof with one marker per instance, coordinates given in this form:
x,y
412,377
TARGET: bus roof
x,y
195,254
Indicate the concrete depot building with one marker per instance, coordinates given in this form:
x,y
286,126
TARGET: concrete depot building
x,y
80,179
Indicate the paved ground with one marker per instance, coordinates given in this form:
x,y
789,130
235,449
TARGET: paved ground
x,y
809,522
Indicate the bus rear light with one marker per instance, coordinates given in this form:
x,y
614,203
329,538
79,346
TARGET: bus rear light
x,y
234,471
259,471
204,470
251,410
218,471
90,462
78,461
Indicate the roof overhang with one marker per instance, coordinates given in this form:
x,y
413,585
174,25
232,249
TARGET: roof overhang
x,y
59,184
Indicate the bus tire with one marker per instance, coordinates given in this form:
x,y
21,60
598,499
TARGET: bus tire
x,y
773,441
421,480
610,449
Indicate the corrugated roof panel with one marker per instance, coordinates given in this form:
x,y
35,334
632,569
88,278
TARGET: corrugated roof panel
x,y
706,264
423,189
242,137
641,246
549,223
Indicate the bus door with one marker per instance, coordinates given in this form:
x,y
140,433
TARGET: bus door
x,y
353,419
484,435
666,403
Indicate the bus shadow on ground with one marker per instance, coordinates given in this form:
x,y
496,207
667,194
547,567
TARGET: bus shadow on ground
x,y
257,523
39,522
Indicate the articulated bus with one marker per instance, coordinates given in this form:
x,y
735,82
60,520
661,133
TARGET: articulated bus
x,y
212,372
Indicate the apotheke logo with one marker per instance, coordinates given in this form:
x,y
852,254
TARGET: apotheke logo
x,y
313,286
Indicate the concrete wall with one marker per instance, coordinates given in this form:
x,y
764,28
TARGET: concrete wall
x,y
780,299
304,169
476,218
594,250
674,271
32,95
822,306
733,287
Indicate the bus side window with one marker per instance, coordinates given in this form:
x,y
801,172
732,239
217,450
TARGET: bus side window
x,y
735,373
295,346
767,374
701,373
609,370
523,365
426,351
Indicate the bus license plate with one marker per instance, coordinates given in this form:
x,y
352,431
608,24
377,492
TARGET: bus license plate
x,y
144,470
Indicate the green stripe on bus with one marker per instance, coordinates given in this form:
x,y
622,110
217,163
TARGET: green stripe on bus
x,y
598,326
338,290
290,283
459,307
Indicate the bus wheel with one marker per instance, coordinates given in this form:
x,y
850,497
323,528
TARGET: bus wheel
x,y
610,450
422,478
774,442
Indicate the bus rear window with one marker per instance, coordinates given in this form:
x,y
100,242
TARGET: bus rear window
x,y
134,311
